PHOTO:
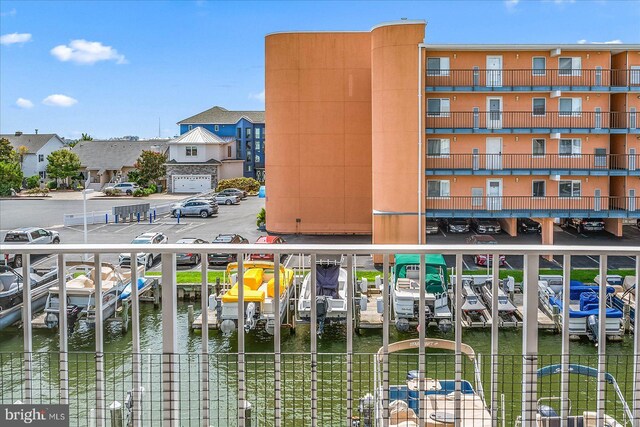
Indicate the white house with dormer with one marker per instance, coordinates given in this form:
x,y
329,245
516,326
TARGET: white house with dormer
x,y
38,147
198,159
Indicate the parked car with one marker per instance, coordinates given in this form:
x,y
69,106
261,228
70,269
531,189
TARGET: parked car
x,y
269,240
638,223
527,225
189,258
28,236
485,260
455,225
199,207
144,258
234,192
225,258
227,199
486,226
431,226
124,187
585,224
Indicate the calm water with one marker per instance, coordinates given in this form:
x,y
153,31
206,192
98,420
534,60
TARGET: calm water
x,y
296,369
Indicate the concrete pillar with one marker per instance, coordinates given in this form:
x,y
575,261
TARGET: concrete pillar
x,y
509,225
547,234
613,226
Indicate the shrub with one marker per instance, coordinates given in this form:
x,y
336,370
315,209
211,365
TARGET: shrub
x,y
261,218
37,192
112,192
139,192
153,188
52,184
33,182
249,185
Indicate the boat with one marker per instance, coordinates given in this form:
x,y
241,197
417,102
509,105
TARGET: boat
x,y
624,295
473,307
436,397
405,291
81,293
11,302
548,416
258,282
331,293
583,307
508,313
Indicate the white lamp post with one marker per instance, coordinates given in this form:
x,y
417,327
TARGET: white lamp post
x,y
84,213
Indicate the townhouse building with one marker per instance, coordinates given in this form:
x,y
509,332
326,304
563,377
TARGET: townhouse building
x,y
547,132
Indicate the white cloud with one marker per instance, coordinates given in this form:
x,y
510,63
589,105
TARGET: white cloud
x,y
24,103
511,4
616,41
86,52
14,38
12,12
257,96
58,100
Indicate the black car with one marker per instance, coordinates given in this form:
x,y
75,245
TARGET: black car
x,y
225,258
486,226
585,224
527,225
431,226
455,225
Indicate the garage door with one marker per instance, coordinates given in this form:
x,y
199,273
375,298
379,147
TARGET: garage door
x,y
191,183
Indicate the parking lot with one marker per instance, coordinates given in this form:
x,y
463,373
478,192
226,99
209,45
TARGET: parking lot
x,y
241,219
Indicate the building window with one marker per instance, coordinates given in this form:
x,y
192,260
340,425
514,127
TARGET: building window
x,y
569,189
476,197
216,128
43,174
191,151
539,106
570,66
570,107
437,66
189,127
41,157
438,188
258,133
248,168
539,66
539,147
247,132
634,75
229,151
438,147
257,145
570,147
239,133
438,107
538,189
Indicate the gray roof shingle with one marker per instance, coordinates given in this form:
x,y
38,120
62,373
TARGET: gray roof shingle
x,y
33,141
222,116
114,155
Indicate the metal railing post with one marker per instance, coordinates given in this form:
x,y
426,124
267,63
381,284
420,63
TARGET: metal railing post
x,y
135,345
636,350
351,282
276,338
602,341
495,285
457,291
170,362
385,339
242,396
99,331
204,350
63,329
564,374
530,340
421,336
314,341
26,326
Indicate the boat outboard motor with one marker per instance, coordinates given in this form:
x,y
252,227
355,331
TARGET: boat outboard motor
x,y
73,311
445,326
546,411
322,307
366,409
592,325
249,318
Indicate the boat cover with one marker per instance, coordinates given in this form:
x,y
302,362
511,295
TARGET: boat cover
x,y
327,280
250,295
612,313
434,265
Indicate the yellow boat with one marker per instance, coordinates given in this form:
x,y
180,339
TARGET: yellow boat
x,y
259,290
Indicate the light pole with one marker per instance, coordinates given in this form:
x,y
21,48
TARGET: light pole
x,y
84,214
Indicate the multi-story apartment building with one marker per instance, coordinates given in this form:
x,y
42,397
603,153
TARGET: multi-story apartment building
x,y
547,132
245,128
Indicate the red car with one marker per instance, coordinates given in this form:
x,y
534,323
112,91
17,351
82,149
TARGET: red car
x,y
485,260
268,240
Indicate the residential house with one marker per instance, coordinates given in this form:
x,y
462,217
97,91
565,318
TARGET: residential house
x,y
39,146
199,158
108,162
246,127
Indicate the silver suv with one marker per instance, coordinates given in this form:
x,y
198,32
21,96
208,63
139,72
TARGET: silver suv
x,y
144,258
124,187
200,207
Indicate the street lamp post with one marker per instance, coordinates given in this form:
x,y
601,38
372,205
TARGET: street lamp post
x,y
84,213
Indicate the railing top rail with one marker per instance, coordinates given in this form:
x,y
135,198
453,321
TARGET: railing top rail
x,y
323,249
566,70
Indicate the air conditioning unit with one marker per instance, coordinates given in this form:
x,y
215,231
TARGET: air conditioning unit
x,y
555,177
556,93
555,135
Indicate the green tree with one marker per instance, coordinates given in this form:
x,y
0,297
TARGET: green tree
x,y
86,137
7,153
63,164
151,166
10,177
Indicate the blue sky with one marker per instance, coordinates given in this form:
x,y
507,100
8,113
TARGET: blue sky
x,y
115,68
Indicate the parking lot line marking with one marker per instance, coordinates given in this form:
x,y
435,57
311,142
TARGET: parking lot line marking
x,y
593,259
583,235
508,265
631,258
443,233
124,228
466,266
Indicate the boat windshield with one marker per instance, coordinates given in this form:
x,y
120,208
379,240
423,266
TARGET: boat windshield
x,y
408,285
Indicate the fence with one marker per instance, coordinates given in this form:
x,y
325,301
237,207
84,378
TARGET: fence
x,y
313,388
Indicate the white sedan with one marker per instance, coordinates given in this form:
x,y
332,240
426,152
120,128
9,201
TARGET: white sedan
x,y
226,199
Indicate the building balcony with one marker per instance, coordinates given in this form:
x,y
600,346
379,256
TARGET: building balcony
x,y
482,80
527,164
533,207
597,122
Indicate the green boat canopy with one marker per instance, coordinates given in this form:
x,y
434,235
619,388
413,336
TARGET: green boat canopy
x,y
434,267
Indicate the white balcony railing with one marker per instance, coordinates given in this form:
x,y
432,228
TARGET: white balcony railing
x,y
182,393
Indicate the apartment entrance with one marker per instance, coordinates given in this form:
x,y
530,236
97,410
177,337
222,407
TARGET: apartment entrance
x,y
494,153
494,113
494,194
494,71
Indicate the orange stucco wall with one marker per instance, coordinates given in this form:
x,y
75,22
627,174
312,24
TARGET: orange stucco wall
x,y
318,112
395,154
